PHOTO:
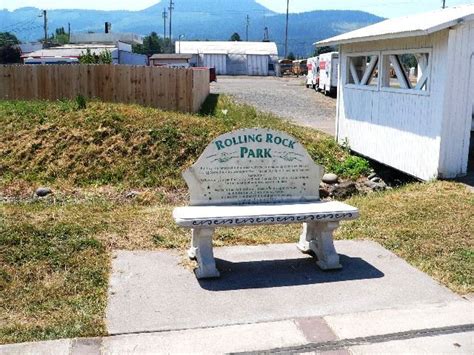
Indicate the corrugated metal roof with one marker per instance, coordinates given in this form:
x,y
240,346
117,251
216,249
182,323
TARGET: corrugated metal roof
x,y
416,25
112,37
69,51
227,47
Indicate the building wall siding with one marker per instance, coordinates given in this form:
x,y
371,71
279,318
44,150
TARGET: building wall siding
x,y
257,65
402,130
459,101
218,61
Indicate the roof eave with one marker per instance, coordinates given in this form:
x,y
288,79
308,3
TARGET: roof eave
x,y
417,33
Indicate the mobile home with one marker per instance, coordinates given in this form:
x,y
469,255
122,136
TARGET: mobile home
x,y
328,72
406,91
312,78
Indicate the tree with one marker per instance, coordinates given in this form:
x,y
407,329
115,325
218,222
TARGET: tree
x,y
60,36
104,57
7,38
325,49
235,37
153,44
10,54
291,56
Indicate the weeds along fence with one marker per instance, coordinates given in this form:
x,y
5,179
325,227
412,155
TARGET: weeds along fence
x,y
166,88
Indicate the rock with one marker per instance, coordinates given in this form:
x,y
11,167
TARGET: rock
x,y
132,194
343,190
376,186
324,191
43,191
376,179
330,178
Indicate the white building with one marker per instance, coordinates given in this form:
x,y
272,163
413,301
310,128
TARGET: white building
x,y
118,44
406,92
232,58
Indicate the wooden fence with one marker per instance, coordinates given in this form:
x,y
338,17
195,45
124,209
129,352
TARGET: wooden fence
x,y
166,88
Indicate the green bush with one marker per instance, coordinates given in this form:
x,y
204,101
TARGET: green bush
x,y
352,166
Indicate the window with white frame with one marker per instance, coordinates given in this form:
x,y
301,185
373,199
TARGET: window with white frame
x,y
406,70
363,70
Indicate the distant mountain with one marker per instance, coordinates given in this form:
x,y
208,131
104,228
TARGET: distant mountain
x,y
197,20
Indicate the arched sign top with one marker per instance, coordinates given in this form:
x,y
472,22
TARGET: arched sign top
x,y
253,166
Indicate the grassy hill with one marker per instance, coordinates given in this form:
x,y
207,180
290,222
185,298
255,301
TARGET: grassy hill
x,y
133,146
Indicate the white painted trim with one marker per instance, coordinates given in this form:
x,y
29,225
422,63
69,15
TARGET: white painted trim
x,y
340,81
361,87
401,76
374,61
428,50
399,35
362,83
405,91
415,90
353,72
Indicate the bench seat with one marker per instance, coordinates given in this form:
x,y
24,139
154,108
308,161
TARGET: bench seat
x,y
319,219
245,215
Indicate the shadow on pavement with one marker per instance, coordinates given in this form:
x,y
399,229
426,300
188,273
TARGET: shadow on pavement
x,y
288,272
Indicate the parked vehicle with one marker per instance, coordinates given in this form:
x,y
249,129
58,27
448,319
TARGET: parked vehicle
x,y
286,66
328,72
299,67
312,78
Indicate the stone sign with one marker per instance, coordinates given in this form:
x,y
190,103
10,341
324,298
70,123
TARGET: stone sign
x,y
252,166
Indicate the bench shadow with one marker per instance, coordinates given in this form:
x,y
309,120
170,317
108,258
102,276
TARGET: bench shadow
x,y
288,272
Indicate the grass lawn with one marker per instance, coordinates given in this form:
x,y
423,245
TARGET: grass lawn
x,y
55,253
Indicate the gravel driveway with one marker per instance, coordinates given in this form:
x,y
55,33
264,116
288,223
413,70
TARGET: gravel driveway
x,y
285,97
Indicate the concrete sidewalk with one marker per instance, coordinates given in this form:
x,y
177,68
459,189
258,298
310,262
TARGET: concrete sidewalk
x,y
273,299
431,329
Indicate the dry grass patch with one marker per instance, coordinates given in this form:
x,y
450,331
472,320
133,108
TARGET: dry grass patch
x,y
429,225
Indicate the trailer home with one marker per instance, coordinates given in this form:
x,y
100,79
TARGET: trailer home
x,y
328,72
312,78
406,92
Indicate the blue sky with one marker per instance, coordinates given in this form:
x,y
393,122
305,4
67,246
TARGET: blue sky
x,y
385,8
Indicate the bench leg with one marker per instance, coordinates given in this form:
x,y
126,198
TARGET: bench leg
x,y
317,238
201,249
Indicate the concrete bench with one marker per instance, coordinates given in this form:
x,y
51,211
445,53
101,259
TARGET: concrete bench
x,y
255,177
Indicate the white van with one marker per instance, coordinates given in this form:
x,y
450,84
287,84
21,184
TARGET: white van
x,y
312,78
328,72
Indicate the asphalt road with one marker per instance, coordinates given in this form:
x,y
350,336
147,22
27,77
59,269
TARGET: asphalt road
x,y
285,97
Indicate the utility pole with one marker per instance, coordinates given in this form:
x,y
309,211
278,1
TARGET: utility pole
x,y
45,27
68,31
165,16
444,4
266,37
286,30
171,8
247,28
